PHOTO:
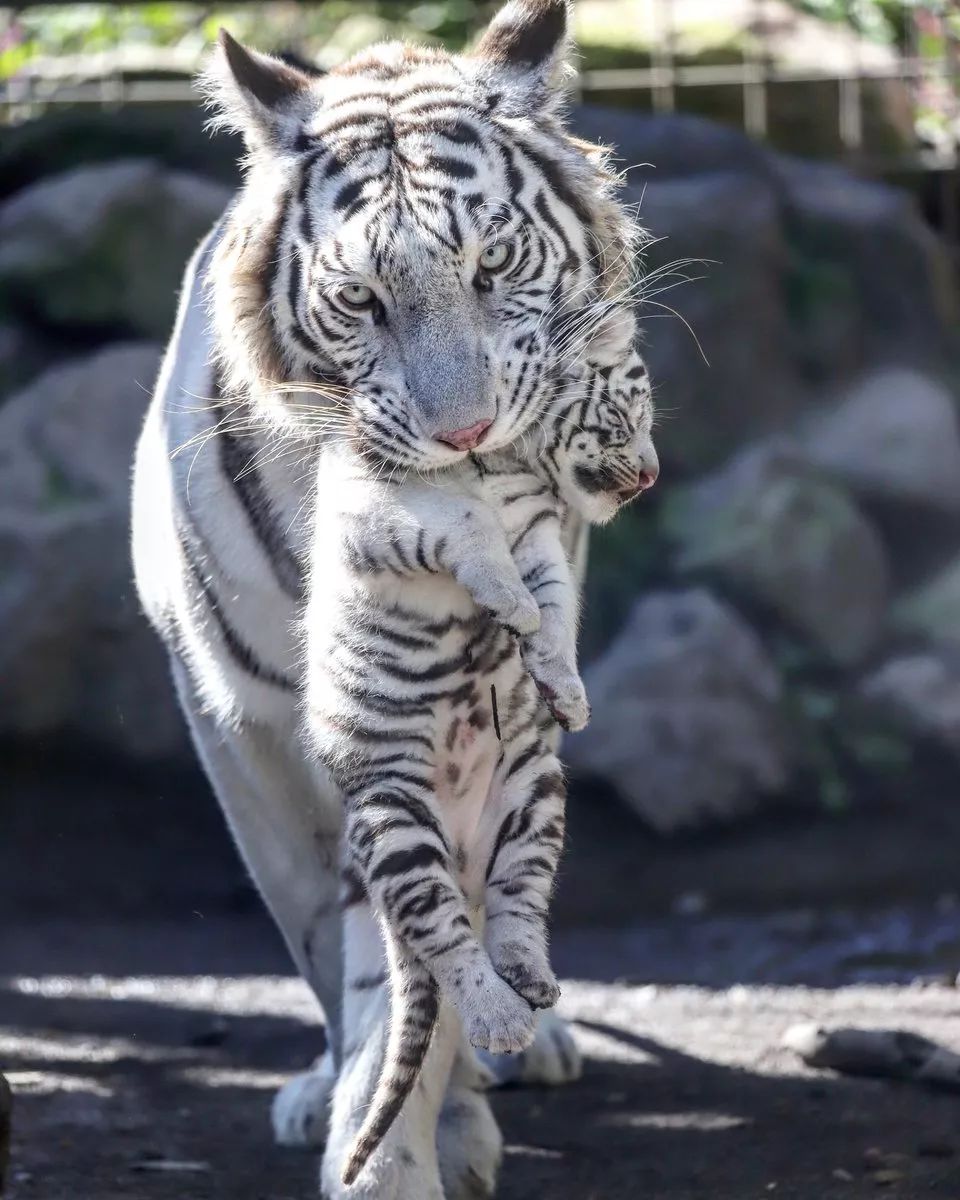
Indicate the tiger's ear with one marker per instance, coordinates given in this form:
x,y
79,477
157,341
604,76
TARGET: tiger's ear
x,y
522,53
256,95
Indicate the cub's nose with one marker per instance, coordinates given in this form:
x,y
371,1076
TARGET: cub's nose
x,y
466,439
645,479
648,477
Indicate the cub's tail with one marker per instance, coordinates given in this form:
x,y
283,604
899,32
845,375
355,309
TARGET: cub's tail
x,y
414,1005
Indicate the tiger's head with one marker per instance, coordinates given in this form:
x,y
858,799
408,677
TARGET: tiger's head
x,y
596,438
418,244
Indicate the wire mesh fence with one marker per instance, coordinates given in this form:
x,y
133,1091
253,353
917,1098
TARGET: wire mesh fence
x,y
874,82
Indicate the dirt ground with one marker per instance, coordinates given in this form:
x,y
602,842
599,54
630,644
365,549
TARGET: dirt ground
x,y
147,1012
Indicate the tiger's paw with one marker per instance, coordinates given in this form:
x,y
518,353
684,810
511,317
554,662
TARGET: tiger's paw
x,y
301,1109
552,1060
469,1145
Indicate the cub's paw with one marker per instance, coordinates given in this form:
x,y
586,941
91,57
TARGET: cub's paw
x,y
496,1018
513,608
560,686
528,973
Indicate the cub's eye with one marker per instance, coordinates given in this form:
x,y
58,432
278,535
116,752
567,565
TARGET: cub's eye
x,y
357,295
496,257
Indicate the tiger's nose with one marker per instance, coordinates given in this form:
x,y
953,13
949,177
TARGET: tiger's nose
x,y
466,439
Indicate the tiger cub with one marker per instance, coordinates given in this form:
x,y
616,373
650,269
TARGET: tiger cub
x,y
429,720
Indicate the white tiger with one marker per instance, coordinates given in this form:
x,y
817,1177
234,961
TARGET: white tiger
x,y
358,261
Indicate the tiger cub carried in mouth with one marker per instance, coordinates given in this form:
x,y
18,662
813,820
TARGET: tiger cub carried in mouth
x,y
448,605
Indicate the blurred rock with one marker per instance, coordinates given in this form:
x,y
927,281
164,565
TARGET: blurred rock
x,y
776,533
850,306
20,358
686,724
794,293
893,436
725,378
932,610
65,136
77,658
920,693
104,246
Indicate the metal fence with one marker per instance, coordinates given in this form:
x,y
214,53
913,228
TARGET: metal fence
x,y
920,69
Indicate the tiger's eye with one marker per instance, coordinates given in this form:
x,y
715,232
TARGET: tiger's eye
x,y
496,257
357,295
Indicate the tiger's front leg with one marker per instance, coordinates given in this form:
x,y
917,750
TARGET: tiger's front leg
x,y
405,1163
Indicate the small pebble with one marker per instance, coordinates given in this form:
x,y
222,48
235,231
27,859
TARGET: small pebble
x,y
886,1178
843,1175
691,904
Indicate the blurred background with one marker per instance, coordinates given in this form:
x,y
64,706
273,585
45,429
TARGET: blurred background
x,y
768,790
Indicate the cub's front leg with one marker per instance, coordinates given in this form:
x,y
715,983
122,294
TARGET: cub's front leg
x,y
434,529
550,653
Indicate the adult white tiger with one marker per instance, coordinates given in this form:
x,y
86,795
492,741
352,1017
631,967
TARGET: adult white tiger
x,y
358,261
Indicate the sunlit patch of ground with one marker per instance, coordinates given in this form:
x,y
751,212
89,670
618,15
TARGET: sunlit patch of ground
x,y
135,1086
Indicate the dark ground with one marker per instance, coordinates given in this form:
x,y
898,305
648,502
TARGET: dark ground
x,y
147,1011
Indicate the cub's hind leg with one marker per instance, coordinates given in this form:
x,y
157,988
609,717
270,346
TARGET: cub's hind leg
x,y
396,842
520,872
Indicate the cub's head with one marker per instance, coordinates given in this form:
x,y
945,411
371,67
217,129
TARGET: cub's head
x,y
599,450
419,245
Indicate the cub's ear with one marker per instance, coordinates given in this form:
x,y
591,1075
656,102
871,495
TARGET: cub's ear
x,y
256,95
522,53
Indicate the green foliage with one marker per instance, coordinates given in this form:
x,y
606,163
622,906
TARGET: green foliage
x,y
320,29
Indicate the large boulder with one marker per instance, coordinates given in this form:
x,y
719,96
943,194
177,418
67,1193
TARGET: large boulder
x,y
932,611
687,724
919,693
716,323
774,532
793,294
104,246
78,660
852,307
892,436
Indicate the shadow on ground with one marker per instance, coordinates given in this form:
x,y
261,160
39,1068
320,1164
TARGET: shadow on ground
x,y
147,1010
107,1086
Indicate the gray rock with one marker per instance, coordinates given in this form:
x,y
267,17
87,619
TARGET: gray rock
x,y
893,435
719,365
669,144
77,658
686,722
794,291
851,306
920,693
932,610
104,245
776,533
